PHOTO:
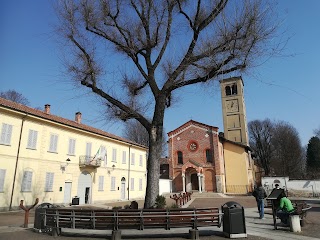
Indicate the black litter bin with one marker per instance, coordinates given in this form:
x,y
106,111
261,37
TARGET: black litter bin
x,y
39,217
234,224
75,200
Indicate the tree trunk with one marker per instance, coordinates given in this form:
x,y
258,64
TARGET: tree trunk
x,y
155,149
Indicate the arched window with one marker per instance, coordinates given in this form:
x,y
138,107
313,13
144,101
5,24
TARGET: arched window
x,y
209,155
180,157
228,90
234,89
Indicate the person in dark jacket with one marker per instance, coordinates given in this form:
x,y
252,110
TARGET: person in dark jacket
x,y
260,194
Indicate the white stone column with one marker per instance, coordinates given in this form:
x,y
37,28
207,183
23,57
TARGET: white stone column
x,y
199,181
183,182
202,183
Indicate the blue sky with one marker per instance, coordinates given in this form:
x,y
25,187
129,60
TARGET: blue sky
x,y
284,88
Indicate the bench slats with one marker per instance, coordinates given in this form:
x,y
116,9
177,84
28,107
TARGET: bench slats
x,y
132,218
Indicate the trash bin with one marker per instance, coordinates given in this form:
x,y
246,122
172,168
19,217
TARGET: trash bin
x,y
75,200
39,217
234,225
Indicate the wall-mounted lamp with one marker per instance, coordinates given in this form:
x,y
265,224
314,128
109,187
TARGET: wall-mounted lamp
x,y
63,166
113,166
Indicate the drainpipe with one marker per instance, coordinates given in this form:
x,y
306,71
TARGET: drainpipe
x,y
17,160
129,171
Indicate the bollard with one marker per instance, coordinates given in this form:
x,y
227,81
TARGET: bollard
x,y
295,223
26,212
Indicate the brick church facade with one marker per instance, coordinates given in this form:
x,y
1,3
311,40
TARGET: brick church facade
x,y
195,161
201,159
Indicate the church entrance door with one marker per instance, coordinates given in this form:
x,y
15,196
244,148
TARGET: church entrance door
x,y
194,182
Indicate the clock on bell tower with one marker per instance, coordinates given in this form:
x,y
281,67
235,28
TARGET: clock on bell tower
x,y
233,110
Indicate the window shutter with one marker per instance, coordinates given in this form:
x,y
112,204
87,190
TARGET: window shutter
x,y
88,149
6,133
140,163
104,157
55,143
2,178
132,184
101,181
113,183
49,181
132,159
124,157
140,184
34,140
114,155
26,181
30,138
72,144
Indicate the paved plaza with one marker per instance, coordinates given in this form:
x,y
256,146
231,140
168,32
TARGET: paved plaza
x,y
11,225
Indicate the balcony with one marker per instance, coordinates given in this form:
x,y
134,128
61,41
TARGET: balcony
x,y
89,161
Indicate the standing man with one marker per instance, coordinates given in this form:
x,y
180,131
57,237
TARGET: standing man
x,y
260,194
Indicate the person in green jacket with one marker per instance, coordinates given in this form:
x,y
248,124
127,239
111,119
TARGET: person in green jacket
x,y
284,210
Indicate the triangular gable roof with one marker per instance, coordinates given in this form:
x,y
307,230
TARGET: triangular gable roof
x,y
40,114
190,123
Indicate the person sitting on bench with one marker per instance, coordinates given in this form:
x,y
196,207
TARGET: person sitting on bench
x,y
285,208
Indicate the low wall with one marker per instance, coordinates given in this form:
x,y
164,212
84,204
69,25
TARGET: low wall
x,y
303,188
165,186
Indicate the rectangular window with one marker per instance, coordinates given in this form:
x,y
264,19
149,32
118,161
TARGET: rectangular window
x,y
49,181
53,143
140,161
209,155
2,178
132,184
140,184
32,139
132,159
88,152
72,146
101,182
6,133
180,157
124,157
113,183
114,155
26,181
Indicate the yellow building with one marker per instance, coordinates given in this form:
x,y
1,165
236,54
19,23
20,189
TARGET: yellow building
x,y
55,159
238,167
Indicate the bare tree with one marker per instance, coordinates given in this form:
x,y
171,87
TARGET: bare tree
x,y
260,133
288,156
14,96
134,131
161,46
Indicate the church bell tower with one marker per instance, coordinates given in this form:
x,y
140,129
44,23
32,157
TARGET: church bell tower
x,y
234,111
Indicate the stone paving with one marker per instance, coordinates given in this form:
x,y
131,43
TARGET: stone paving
x,y
11,225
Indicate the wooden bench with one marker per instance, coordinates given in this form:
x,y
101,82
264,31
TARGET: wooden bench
x,y
57,218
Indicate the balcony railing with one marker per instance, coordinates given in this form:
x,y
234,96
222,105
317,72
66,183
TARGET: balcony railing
x,y
89,161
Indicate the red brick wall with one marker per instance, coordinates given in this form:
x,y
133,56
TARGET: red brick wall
x,y
206,137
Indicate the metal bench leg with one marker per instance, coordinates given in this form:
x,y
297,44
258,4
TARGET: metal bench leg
x,y
116,235
194,234
55,232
